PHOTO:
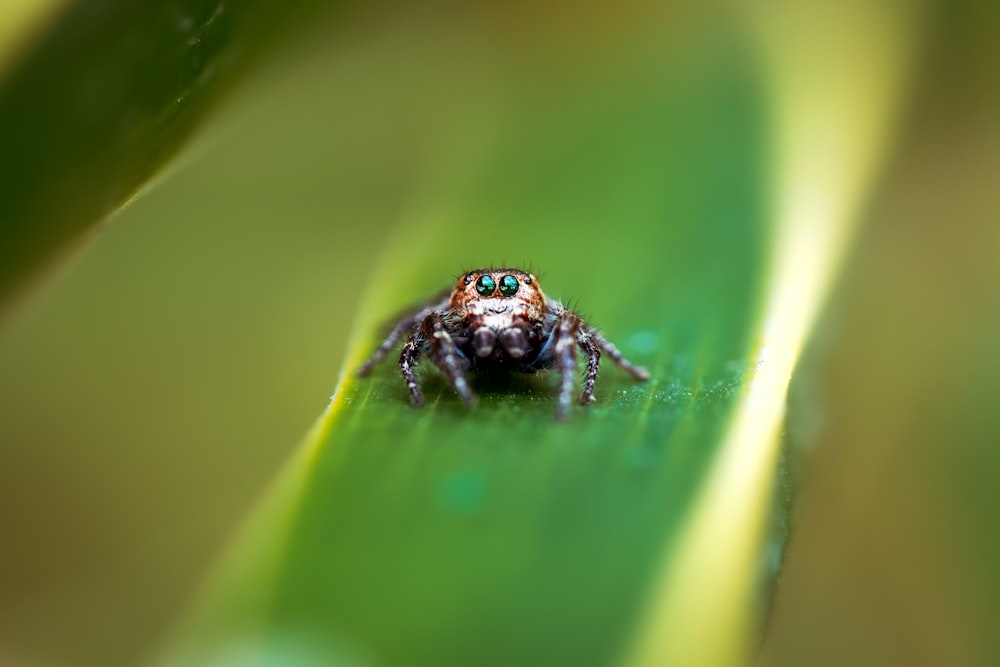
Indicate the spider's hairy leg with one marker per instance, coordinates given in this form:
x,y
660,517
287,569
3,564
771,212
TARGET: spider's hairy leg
x,y
404,324
566,358
444,354
390,341
407,360
638,372
593,353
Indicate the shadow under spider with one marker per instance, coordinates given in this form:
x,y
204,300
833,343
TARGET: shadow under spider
x,y
489,384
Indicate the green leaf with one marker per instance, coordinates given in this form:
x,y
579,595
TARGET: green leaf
x,y
637,530
495,535
99,102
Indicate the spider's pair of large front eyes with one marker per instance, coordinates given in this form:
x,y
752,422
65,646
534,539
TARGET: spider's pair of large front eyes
x,y
486,285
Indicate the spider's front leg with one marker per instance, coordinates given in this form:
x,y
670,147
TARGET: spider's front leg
x,y
593,353
445,355
405,323
592,343
638,372
566,359
390,342
407,360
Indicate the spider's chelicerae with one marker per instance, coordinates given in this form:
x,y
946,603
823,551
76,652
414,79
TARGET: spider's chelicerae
x,y
499,318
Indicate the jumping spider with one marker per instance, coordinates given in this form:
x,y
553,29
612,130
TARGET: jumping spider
x,y
499,318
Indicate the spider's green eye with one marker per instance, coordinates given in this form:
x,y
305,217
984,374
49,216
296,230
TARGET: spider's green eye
x,y
508,285
485,285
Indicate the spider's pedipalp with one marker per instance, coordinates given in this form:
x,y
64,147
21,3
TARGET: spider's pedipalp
x,y
483,342
515,342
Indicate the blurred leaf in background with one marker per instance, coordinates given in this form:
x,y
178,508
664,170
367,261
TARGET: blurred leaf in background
x,y
95,97
129,384
895,545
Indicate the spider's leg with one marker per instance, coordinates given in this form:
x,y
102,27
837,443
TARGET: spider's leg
x,y
390,342
638,372
445,355
593,353
405,324
407,360
566,358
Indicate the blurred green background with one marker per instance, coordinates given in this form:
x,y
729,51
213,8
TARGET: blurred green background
x,y
152,383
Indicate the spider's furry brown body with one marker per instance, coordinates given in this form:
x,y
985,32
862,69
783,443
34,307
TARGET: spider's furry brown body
x,y
499,318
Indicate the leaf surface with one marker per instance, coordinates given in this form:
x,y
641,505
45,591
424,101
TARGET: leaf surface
x,y
496,535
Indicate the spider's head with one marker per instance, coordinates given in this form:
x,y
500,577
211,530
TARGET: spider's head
x,y
499,305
